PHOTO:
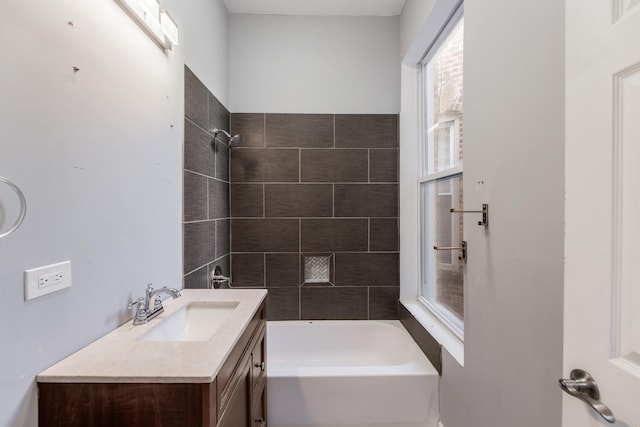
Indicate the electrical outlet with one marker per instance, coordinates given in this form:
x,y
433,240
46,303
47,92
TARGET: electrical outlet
x,y
50,279
45,280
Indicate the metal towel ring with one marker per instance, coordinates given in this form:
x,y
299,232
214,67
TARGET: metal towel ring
x,y
23,207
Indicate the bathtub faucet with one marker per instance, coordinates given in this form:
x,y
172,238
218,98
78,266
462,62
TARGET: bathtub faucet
x,y
217,279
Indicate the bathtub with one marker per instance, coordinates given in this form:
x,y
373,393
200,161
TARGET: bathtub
x,y
367,373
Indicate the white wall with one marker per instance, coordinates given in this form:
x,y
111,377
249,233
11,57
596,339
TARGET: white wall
x,y
204,41
514,142
305,64
98,154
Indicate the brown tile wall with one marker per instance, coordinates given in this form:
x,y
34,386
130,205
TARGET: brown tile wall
x,y
206,218
316,184
429,346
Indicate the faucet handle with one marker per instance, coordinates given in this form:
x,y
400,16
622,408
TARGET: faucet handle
x,y
141,312
139,302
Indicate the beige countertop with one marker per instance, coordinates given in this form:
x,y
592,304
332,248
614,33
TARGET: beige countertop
x,y
120,356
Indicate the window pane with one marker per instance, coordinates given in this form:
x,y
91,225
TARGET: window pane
x,y
443,104
442,270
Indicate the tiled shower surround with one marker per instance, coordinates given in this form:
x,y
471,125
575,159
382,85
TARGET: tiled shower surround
x,y
206,185
300,186
322,186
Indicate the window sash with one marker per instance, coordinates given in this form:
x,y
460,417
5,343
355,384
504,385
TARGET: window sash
x,y
437,176
432,264
429,175
442,37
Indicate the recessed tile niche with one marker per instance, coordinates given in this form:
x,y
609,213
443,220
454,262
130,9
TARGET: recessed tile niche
x,y
317,269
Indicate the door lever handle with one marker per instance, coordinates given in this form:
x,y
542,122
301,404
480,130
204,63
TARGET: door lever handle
x,y
583,386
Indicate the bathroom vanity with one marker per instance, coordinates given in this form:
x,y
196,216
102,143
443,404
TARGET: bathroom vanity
x,y
200,363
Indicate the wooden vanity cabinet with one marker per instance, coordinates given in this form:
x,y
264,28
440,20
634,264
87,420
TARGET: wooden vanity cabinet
x,y
235,398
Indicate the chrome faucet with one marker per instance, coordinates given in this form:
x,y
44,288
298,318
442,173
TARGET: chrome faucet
x,y
153,303
151,306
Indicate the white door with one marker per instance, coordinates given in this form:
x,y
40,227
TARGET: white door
x,y
602,241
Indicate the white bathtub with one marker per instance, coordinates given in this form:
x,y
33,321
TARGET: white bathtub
x,y
348,373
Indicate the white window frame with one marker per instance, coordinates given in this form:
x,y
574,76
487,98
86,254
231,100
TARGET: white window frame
x,y
441,313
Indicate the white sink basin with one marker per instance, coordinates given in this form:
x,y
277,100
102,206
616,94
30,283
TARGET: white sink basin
x,y
194,322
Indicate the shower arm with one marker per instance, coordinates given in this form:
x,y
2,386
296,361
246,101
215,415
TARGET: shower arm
x,y
233,141
216,131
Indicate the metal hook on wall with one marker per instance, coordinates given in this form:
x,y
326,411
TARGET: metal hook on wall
x,y
484,212
462,248
23,207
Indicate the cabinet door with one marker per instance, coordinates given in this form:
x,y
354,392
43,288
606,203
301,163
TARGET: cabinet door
x,y
258,353
258,377
259,413
238,411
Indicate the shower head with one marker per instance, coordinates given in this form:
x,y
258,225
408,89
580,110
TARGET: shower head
x,y
234,140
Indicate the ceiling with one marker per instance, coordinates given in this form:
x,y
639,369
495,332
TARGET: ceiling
x,y
317,7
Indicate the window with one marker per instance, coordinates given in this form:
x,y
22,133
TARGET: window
x,y
441,264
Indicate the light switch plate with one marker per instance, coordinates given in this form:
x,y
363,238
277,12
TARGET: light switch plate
x,y
45,280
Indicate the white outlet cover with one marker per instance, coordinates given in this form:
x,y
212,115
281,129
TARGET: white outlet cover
x,y
32,279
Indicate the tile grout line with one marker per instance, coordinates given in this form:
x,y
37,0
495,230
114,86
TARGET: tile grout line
x,y
215,239
190,120
205,175
215,143
300,274
333,200
230,256
199,221
307,182
299,165
334,131
300,235
194,270
310,217
328,148
208,208
316,252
